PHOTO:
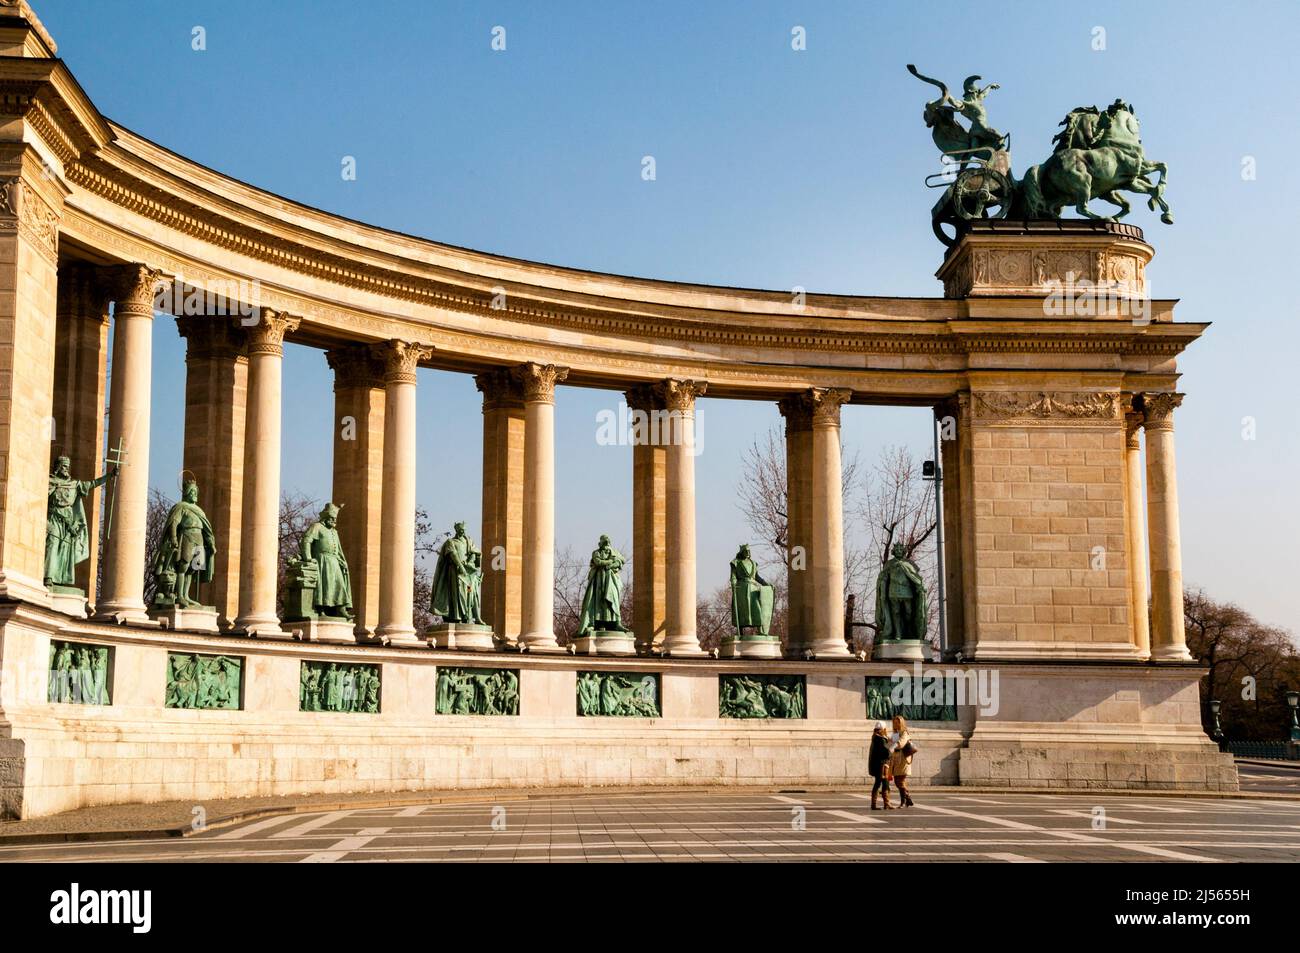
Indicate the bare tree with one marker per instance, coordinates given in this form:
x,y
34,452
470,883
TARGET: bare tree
x,y
897,506
1251,666
155,521
297,512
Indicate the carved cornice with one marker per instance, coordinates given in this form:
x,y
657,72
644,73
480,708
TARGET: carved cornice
x,y
679,395
1158,410
538,381
500,388
401,358
355,365
266,336
1042,405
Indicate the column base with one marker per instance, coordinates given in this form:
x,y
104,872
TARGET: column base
x,y
399,635
605,642
830,650
461,635
1172,653
541,642
122,614
261,627
683,646
901,650
754,646
187,619
68,600
334,631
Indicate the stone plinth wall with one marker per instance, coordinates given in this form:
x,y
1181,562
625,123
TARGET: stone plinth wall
x,y
58,756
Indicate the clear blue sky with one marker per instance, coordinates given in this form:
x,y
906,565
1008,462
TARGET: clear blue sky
x,y
775,168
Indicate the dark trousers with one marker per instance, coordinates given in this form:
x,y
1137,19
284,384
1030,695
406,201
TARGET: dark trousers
x,y
900,782
881,785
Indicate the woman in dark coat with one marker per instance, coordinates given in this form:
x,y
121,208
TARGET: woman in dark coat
x,y
877,760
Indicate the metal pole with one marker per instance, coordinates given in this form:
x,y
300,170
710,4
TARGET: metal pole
x,y
938,518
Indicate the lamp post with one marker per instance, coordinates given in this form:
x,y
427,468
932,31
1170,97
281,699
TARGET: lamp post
x,y
1293,699
1216,733
933,470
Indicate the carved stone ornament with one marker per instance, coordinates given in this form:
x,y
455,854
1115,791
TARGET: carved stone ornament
x,y
1041,405
679,395
539,380
401,358
267,335
1158,410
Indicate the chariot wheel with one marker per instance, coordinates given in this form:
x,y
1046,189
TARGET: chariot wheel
x,y
982,192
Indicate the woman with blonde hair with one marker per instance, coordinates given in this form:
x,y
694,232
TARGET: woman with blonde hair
x,y
900,758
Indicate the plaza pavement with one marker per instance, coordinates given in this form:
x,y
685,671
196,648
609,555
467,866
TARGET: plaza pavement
x,y
722,825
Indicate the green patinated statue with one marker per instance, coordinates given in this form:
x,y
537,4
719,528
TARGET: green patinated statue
x,y
752,597
185,552
618,695
78,674
762,696
940,115
458,580
335,687
202,681
1097,155
321,548
477,691
602,602
900,599
67,538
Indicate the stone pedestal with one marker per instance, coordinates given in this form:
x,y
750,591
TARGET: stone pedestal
x,y
339,631
68,600
908,650
461,635
750,646
605,642
194,619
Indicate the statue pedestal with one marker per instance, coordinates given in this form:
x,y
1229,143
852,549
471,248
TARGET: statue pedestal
x,y
901,650
68,600
339,631
461,635
605,642
750,646
195,619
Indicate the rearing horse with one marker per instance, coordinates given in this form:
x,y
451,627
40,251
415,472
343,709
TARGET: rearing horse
x,y
1096,156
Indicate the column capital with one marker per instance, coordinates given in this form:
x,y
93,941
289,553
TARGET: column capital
x,y
643,397
1158,410
267,335
133,287
825,403
797,413
679,395
355,365
500,388
1133,422
538,381
81,293
401,358
211,337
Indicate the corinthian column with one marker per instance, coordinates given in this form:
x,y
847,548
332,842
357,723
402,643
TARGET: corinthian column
x,y
1168,637
359,473
1137,537
80,373
798,517
122,599
827,524
259,557
678,396
503,502
216,410
538,602
397,548
649,519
